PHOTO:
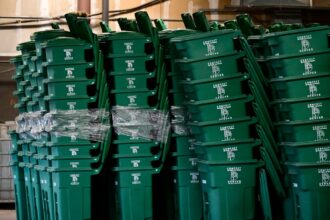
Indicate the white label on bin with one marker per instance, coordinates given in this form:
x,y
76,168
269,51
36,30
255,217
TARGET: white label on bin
x,y
132,99
134,134
129,47
194,177
70,89
234,175
193,161
130,65
74,151
69,73
73,138
323,153
135,149
230,153
315,110
215,69
71,105
224,112
308,65
210,47
74,179
221,91
204,181
68,54
312,87
136,178
325,177
305,44
135,163
74,164
320,132
227,133
131,82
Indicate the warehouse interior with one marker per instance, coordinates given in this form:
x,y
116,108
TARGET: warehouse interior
x,y
164,110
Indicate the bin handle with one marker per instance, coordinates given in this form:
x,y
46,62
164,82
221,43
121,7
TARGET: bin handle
x,y
160,25
265,202
270,151
273,174
188,21
252,59
105,27
201,21
264,116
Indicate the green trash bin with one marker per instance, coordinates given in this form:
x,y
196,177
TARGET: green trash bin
x,y
229,189
304,131
131,65
26,47
182,145
81,103
19,190
236,151
186,162
205,45
70,89
134,191
67,50
71,72
310,184
210,68
187,194
215,89
141,98
307,152
131,82
234,130
72,151
222,110
301,41
128,44
301,87
41,37
313,63
138,149
302,109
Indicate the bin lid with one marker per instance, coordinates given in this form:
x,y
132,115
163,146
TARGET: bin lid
x,y
66,41
26,47
49,34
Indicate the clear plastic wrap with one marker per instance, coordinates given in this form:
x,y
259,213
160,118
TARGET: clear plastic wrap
x,y
90,124
179,118
149,124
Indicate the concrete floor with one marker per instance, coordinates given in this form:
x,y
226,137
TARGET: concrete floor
x,y
7,214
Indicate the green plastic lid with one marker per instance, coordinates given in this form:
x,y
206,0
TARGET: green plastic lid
x,y
49,34
202,35
66,41
26,47
17,60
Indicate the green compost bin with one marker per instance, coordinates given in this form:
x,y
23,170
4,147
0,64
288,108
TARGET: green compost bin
x,y
236,151
301,41
302,109
126,43
67,50
70,89
222,110
205,45
301,87
133,81
81,103
229,189
210,68
71,72
139,149
313,63
187,194
304,131
310,183
307,152
131,65
240,129
215,89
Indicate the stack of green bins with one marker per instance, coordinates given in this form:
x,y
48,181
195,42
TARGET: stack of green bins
x,y
137,87
68,82
217,100
25,91
183,174
18,176
298,76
